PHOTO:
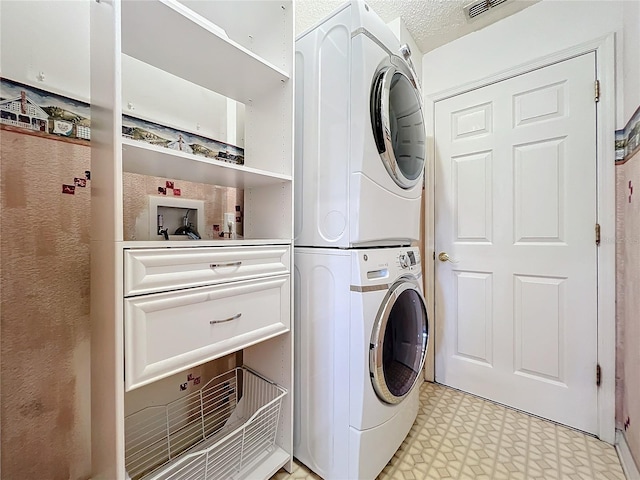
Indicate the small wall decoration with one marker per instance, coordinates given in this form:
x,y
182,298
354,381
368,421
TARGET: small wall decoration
x,y
69,189
159,135
190,379
628,139
32,108
169,185
80,182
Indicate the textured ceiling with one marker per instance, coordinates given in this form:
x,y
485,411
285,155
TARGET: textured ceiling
x,y
431,23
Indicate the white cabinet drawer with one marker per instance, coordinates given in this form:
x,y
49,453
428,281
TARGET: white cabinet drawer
x,y
169,332
163,269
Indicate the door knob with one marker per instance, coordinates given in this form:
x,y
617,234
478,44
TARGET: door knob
x,y
444,257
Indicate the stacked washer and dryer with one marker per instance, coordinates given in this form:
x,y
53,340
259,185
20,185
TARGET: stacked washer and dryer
x,y
361,325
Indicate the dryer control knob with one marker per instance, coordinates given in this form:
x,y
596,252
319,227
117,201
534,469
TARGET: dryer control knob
x,y
405,51
404,261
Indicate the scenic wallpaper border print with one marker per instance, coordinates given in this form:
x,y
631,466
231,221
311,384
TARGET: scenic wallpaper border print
x,y
160,135
628,139
34,109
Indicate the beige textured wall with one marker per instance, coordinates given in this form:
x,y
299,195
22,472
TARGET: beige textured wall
x,y
44,259
629,277
629,299
45,427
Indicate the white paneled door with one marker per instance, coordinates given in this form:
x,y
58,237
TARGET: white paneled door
x,y
516,306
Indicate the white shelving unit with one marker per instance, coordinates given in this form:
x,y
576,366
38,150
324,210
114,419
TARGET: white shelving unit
x,y
243,51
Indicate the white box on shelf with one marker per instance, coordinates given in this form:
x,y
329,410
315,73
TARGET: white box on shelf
x,y
229,224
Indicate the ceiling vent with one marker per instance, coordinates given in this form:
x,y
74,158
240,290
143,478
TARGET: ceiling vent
x,y
475,9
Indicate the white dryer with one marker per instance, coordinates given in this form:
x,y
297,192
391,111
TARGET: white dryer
x,y
360,136
361,333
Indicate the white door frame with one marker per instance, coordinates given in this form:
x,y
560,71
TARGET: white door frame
x,y
604,47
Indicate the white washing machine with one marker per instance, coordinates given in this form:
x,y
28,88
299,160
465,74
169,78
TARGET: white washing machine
x,y
360,135
361,333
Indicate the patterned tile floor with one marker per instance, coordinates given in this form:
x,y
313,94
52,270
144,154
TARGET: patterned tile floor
x,y
459,436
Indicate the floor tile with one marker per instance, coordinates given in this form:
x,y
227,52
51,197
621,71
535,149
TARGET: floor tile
x,y
463,437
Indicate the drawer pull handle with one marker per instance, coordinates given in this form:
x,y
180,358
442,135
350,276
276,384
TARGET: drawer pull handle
x,y
235,317
230,264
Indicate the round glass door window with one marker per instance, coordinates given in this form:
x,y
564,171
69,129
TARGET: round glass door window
x,y
398,342
398,124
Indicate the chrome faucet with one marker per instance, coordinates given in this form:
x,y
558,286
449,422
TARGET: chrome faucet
x,y
162,231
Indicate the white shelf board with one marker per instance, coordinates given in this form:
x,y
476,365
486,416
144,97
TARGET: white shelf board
x,y
203,243
146,159
254,31
172,37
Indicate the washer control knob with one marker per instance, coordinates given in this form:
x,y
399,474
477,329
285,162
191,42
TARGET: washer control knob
x,y
404,260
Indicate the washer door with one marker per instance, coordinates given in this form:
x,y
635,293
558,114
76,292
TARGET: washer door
x,y
398,122
398,342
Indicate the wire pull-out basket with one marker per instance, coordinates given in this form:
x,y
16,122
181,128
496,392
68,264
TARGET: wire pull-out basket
x,y
218,432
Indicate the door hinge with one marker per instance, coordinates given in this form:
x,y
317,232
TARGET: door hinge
x,y
597,91
597,234
434,255
598,375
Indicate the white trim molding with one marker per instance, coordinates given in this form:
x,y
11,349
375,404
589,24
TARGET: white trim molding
x,y
629,466
429,243
604,48
606,205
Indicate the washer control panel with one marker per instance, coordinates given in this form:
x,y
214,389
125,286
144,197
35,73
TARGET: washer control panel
x,y
383,266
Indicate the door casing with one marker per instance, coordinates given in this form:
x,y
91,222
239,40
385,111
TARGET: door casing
x,y
604,48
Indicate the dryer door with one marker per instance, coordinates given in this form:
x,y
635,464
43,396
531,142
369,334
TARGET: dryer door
x,y
398,123
398,341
